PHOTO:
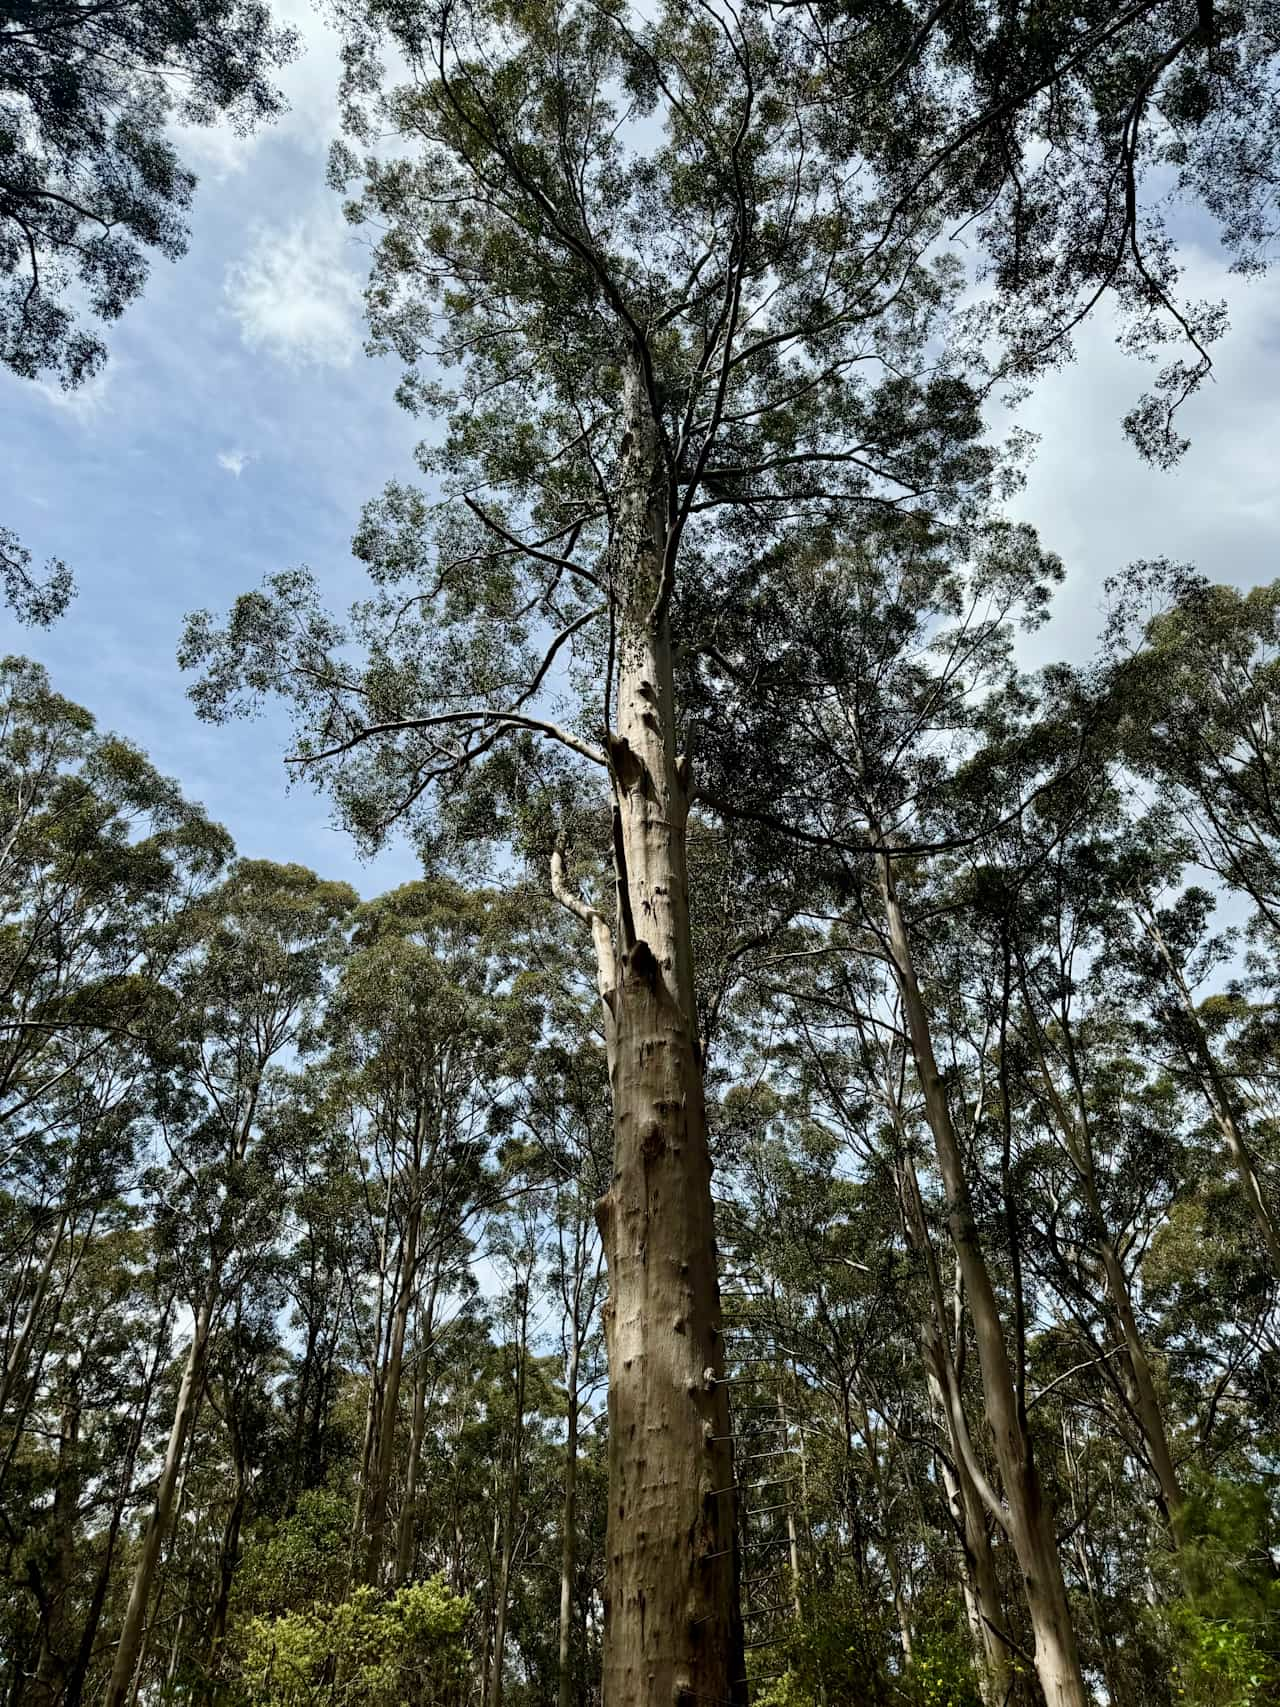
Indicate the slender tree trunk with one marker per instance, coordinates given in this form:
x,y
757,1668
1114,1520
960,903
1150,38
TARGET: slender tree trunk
x,y
673,1631
901,1607
52,1664
16,1361
1146,1401
89,1633
372,1416
793,1531
384,1455
297,1474
407,1531
568,1526
128,1650
511,1510
984,1607
1027,1516
1077,1138
229,1552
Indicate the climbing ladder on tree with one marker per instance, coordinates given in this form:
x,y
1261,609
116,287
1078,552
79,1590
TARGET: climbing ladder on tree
x,y
767,1469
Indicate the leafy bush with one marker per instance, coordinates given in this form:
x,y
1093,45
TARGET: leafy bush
x,y
1225,1624
405,1650
1221,1662
847,1651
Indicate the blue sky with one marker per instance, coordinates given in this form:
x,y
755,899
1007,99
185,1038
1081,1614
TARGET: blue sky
x,y
239,427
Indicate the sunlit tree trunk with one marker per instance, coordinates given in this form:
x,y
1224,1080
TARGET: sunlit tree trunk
x,y
88,1636
1077,1138
672,1622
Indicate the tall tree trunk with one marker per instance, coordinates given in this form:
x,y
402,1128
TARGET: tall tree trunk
x,y
406,1537
297,1472
384,1455
511,1507
52,1664
793,1531
984,1607
229,1551
673,1630
129,1647
568,1525
1026,1514
1146,1401
97,1600
372,1416
1077,1139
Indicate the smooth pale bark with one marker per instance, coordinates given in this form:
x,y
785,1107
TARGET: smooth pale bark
x,y
984,1607
1146,1401
673,1631
980,1586
129,1650
1025,1513
793,1531
1079,1524
579,1308
129,1647
373,1412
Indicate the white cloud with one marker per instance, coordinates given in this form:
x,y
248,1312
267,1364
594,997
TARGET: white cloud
x,y
294,295
1101,507
234,461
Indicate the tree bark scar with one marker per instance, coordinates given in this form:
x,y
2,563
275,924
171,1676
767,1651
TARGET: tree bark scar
x,y
641,962
604,1219
653,1142
627,767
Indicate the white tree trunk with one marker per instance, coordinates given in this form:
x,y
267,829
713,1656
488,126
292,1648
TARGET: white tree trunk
x,y
1026,1515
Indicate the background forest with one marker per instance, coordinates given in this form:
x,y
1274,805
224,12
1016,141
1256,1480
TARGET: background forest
x,y
784,1210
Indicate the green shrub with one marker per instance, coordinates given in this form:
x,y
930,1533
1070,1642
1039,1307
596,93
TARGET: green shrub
x,y
405,1650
